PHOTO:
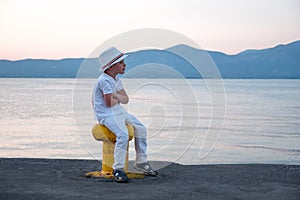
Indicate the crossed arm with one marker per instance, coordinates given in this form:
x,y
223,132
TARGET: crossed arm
x,y
115,98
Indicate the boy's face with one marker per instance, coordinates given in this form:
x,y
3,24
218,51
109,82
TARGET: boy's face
x,y
119,68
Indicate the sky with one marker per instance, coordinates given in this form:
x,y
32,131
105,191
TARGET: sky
x,y
55,29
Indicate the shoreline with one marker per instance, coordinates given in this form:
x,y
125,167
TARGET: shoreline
x,y
38,178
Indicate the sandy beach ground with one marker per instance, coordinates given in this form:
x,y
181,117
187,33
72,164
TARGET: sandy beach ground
x,y
64,179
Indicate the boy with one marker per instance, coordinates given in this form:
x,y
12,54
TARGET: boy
x,y
108,94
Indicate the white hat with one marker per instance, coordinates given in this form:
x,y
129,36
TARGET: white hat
x,y
110,57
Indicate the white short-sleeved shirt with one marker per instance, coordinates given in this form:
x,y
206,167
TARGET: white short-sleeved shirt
x,y
106,85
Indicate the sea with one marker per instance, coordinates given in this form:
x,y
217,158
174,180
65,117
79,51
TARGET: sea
x,y
189,121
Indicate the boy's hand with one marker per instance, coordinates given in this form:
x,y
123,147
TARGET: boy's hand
x,y
121,96
110,100
115,98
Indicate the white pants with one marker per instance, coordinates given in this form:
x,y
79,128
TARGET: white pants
x,y
117,125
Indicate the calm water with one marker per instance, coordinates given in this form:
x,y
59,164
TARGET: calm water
x,y
188,121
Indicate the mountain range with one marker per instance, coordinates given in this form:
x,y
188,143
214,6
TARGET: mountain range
x,y
281,61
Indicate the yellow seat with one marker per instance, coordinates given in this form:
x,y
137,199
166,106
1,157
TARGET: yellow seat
x,y
101,133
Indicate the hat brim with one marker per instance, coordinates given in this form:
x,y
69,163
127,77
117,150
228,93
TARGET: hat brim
x,y
116,61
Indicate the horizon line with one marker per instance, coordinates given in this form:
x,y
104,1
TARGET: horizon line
x,y
217,51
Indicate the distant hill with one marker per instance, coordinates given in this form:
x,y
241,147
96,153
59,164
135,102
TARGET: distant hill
x,y
40,68
282,61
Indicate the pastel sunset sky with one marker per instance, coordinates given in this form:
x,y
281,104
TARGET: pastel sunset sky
x,y
57,29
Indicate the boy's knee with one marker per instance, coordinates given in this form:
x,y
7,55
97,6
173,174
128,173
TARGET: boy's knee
x,y
123,138
143,129
140,131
